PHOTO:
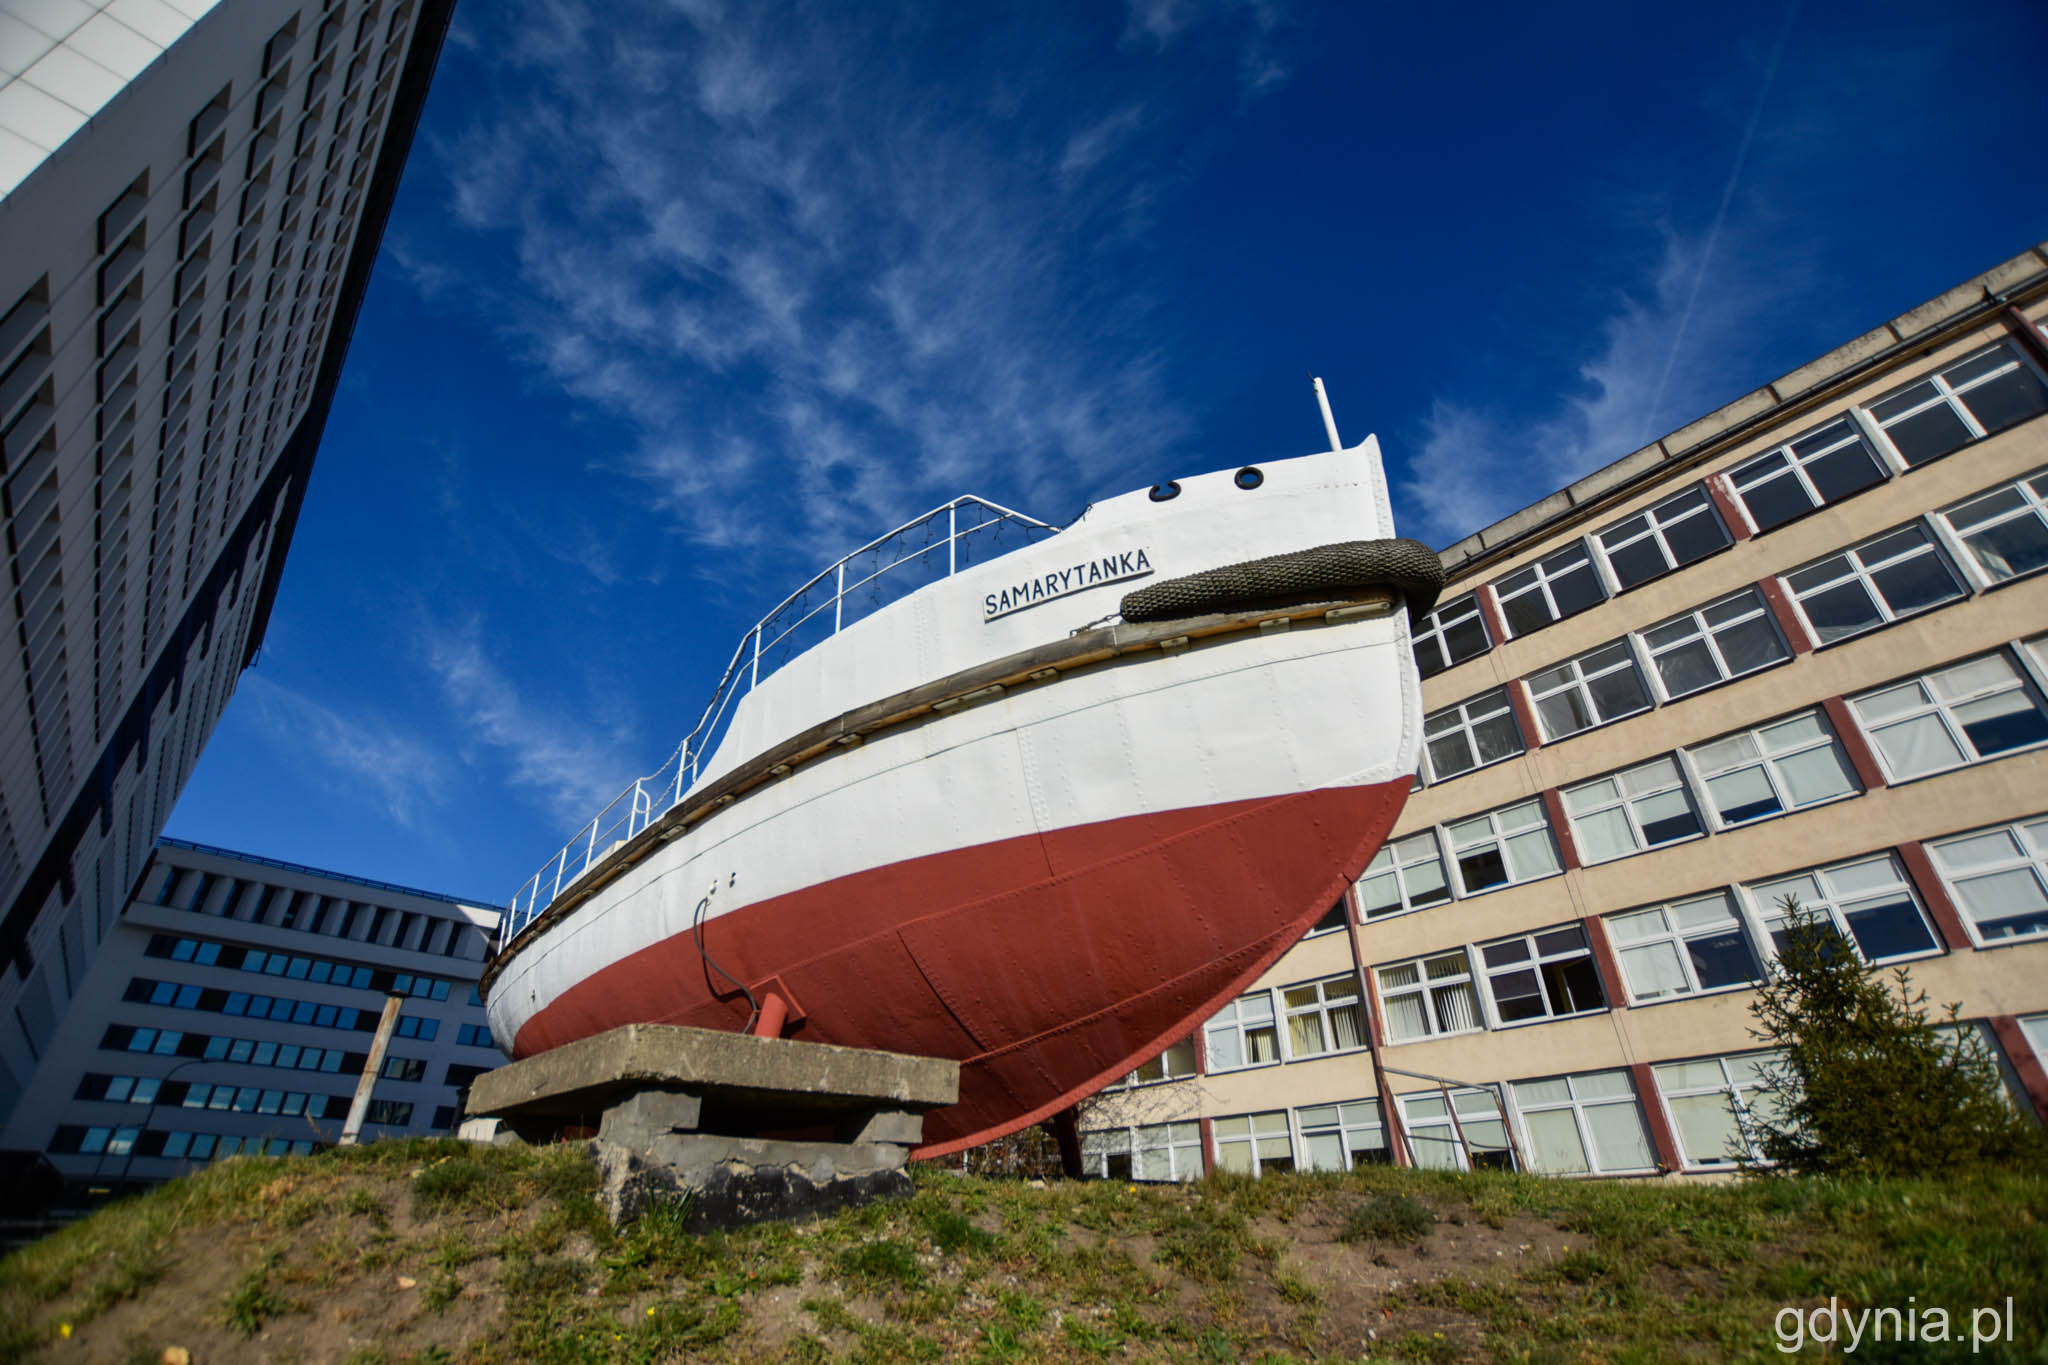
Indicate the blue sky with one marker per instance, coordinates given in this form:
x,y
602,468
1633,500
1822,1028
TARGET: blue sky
x,y
680,302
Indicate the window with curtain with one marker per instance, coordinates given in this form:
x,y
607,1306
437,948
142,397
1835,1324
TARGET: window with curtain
x,y
1868,900
1430,996
1254,1143
1979,709
1323,1016
1683,948
2004,531
1644,807
1588,1124
1787,765
1599,686
1999,878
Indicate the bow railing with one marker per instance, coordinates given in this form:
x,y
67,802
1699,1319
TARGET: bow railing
x,y
945,540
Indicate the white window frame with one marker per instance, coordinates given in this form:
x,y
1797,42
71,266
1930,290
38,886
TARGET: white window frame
x,y
1585,1092
2034,1028
1658,519
1708,632
1790,462
1644,930
1742,1075
1437,629
1509,829
1178,1141
1476,1106
2033,505
1466,720
1955,397
1266,1126
2030,836
1397,859
1581,805
1770,744
1242,1018
1861,564
1541,575
1348,1122
1575,679
1536,958
1837,899
1176,1063
1322,1000
1425,988
1948,710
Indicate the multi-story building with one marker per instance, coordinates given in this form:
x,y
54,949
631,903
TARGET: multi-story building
x,y
191,197
232,1008
1798,648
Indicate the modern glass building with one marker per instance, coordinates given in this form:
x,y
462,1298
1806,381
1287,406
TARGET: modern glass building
x,y
191,198
1795,648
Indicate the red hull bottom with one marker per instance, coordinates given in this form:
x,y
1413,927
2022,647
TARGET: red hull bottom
x,y
1048,965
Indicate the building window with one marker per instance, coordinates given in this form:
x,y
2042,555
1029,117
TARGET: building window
x,y
1502,847
1243,1034
1722,640
1595,688
1972,399
1428,997
1341,1137
1553,588
1451,634
1868,902
1547,975
1176,1063
1963,714
1464,1133
1643,808
1160,1151
1588,1124
1872,584
1684,948
405,1068
1254,1143
1999,879
1406,874
1711,1102
1323,1016
1818,468
1784,766
1335,918
1471,735
475,1035
409,1026
396,1113
2005,530
1676,531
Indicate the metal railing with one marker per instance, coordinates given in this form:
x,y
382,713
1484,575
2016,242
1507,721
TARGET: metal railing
x,y
945,540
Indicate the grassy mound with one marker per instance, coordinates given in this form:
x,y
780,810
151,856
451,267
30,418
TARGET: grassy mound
x,y
437,1251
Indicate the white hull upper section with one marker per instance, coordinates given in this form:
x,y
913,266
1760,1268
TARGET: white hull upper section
x,y
1261,715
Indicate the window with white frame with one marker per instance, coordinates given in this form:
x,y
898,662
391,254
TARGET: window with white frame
x,y
1882,580
1823,466
1723,639
1545,975
1342,1137
1645,807
1999,878
1868,901
1971,399
2005,531
1471,735
1406,874
1252,1144
1158,1151
1712,1102
1429,996
1599,686
1676,531
1464,1133
1589,1124
1502,847
1684,948
1451,634
1176,1063
1335,918
1243,1033
1965,713
1784,766
1323,1016
1554,587
2035,1030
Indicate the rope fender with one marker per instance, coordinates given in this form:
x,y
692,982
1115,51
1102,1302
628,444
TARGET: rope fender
x,y
1408,565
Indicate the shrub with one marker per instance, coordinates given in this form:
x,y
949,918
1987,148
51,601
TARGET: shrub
x,y
1387,1218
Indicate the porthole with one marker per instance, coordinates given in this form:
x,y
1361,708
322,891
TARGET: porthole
x,y
1250,477
1165,492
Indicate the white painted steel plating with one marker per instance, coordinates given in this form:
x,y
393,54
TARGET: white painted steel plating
x,y
636,807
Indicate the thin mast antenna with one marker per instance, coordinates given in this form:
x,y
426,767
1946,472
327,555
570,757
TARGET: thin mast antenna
x,y
1329,419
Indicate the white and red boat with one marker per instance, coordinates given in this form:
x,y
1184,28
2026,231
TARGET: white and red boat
x,y
1042,811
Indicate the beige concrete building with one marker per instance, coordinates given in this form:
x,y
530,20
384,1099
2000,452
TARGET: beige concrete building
x,y
1800,647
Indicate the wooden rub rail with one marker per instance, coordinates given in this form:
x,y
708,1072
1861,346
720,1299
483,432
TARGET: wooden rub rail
x,y
969,687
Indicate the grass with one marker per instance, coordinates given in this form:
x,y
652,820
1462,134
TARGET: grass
x,y
504,1257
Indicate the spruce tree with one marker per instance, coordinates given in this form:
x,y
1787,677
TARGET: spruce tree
x,y
1865,1082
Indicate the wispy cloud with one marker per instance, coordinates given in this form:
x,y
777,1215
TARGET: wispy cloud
x,y
1156,25
374,759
